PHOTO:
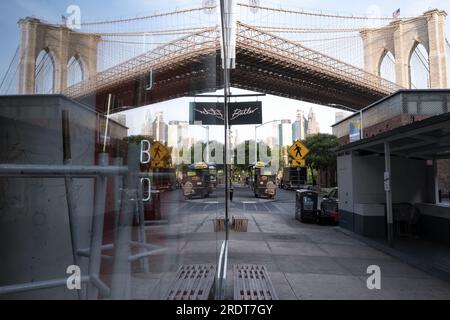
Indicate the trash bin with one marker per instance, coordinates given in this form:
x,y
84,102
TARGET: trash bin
x,y
306,205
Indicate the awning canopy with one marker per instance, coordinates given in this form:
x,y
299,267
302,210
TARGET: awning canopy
x,y
426,139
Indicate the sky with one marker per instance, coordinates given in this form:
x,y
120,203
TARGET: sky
x,y
273,107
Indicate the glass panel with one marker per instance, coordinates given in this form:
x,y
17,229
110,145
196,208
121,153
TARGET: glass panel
x,y
431,107
412,107
113,185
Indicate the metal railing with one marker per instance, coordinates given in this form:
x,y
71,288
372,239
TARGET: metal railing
x,y
131,196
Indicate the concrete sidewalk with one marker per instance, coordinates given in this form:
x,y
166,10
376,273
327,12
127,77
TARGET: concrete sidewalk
x,y
305,261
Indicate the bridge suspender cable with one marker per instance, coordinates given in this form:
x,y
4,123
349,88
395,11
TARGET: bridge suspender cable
x,y
147,17
10,67
302,12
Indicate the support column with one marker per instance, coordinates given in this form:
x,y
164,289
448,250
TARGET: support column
x,y
435,182
370,59
62,57
27,63
437,54
401,57
387,189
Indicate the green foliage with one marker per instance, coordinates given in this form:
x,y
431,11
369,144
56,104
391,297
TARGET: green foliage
x,y
137,139
321,151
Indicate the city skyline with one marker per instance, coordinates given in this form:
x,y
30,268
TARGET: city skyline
x,y
178,110
177,133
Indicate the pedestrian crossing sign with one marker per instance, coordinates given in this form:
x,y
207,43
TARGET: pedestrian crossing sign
x,y
298,163
298,151
158,151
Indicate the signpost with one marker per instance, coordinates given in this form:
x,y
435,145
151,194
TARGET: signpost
x,y
298,151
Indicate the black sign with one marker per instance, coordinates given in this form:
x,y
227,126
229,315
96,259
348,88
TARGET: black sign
x,y
212,113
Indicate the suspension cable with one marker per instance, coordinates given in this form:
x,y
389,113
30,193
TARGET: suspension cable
x,y
309,13
92,23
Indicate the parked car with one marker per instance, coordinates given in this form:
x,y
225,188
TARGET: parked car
x,y
329,211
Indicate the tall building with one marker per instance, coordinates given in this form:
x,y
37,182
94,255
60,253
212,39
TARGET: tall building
x,y
146,129
271,132
178,137
299,126
285,132
159,128
339,115
178,134
234,138
313,125
120,118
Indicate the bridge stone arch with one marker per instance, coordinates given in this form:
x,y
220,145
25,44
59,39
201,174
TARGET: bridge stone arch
x,y
41,61
79,63
386,58
63,44
400,38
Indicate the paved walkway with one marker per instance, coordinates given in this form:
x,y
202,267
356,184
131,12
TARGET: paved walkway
x,y
305,261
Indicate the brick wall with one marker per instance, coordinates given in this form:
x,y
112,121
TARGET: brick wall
x,y
384,126
391,124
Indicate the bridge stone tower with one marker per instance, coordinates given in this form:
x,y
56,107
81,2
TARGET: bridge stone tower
x,y
401,38
61,43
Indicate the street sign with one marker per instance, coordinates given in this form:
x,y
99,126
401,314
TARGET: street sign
x,y
158,152
298,163
298,150
239,113
157,164
354,130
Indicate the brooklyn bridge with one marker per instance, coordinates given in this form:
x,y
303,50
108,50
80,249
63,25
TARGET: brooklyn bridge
x,y
322,58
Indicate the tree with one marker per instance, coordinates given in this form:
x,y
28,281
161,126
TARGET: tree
x,y
321,154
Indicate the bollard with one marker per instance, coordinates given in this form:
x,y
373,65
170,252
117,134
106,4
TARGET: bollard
x,y
231,193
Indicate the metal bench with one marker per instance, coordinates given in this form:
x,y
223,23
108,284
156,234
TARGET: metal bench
x,y
252,282
240,223
192,282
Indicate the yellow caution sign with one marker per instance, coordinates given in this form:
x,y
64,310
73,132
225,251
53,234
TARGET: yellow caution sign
x,y
158,151
298,163
157,164
298,150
